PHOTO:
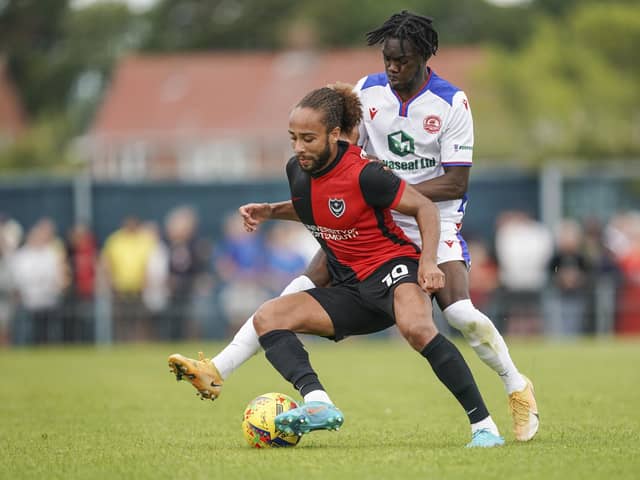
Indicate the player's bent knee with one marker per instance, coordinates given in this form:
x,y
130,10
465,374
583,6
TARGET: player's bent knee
x,y
265,319
280,313
418,334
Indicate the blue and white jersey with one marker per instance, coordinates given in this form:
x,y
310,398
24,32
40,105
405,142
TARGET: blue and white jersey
x,y
418,138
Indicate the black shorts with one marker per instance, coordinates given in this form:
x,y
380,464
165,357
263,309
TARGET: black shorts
x,y
366,307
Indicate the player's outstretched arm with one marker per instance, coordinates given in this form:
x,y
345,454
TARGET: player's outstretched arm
x,y
253,214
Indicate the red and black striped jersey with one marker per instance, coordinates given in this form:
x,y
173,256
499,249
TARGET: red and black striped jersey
x,y
347,208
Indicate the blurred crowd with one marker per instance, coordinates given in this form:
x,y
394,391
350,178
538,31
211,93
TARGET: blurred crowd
x,y
168,281
580,277
151,281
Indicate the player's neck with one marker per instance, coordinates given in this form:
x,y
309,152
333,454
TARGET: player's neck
x,y
328,163
415,86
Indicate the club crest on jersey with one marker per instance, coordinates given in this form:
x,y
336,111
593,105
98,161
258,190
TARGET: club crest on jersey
x,y
337,206
372,112
432,123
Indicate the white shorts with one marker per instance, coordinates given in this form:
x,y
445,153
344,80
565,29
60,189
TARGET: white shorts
x,y
452,246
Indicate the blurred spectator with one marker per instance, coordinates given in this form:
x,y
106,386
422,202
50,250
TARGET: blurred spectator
x,y
125,258
39,275
604,278
10,237
82,256
567,299
597,253
483,275
623,237
6,305
617,234
283,261
301,241
238,260
523,249
188,273
155,294
10,233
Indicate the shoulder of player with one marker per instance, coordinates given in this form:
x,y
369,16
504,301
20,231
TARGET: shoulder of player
x,y
356,154
354,160
291,162
446,90
378,182
293,167
372,80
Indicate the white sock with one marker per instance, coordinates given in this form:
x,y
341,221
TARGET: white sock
x,y
487,342
498,355
245,344
317,396
242,347
488,424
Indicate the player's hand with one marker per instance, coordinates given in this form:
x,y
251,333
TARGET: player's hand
x,y
253,214
430,277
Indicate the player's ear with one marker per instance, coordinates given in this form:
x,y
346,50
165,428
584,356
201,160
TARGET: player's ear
x,y
334,135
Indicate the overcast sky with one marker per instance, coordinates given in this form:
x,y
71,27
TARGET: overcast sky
x,y
136,5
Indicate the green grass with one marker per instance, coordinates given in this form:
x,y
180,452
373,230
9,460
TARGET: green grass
x,y
117,413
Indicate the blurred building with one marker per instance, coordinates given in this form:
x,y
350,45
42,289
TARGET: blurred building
x,y
12,115
221,116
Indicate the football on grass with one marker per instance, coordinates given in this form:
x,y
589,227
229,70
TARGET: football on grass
x,y
258,423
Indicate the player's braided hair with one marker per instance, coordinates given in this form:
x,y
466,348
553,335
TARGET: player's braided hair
x,y
339,103
405,25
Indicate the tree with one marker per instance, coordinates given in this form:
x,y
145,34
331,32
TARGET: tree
x,y
218,25
60,58
461,22
265,24
44,147
572,91
30,37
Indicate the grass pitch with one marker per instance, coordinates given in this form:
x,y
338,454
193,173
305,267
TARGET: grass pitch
x,y
117,413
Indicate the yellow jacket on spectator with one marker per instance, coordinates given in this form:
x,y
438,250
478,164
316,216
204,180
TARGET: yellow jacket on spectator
x,y
125,256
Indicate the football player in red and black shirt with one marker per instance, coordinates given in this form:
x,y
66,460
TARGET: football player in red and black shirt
x,y
380,277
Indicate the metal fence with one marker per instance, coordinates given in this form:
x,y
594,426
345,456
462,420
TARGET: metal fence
x,y
104,317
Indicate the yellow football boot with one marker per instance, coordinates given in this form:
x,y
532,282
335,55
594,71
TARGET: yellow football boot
x,y
524,411
202,374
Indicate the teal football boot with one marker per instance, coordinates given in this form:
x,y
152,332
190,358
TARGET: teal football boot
x,y
483,438
308,417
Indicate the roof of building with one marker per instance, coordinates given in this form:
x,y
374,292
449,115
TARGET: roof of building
x,y
235,92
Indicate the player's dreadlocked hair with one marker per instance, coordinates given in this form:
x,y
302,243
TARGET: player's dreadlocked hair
x,y
405,25
339,103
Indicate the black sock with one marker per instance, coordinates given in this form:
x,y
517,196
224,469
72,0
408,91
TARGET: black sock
x,y
287,355
452,370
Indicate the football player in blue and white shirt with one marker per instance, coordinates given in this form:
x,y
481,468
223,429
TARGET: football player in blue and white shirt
x,y
420,126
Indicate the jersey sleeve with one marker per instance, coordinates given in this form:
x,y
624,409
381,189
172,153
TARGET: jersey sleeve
x,y
380,187
457,138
